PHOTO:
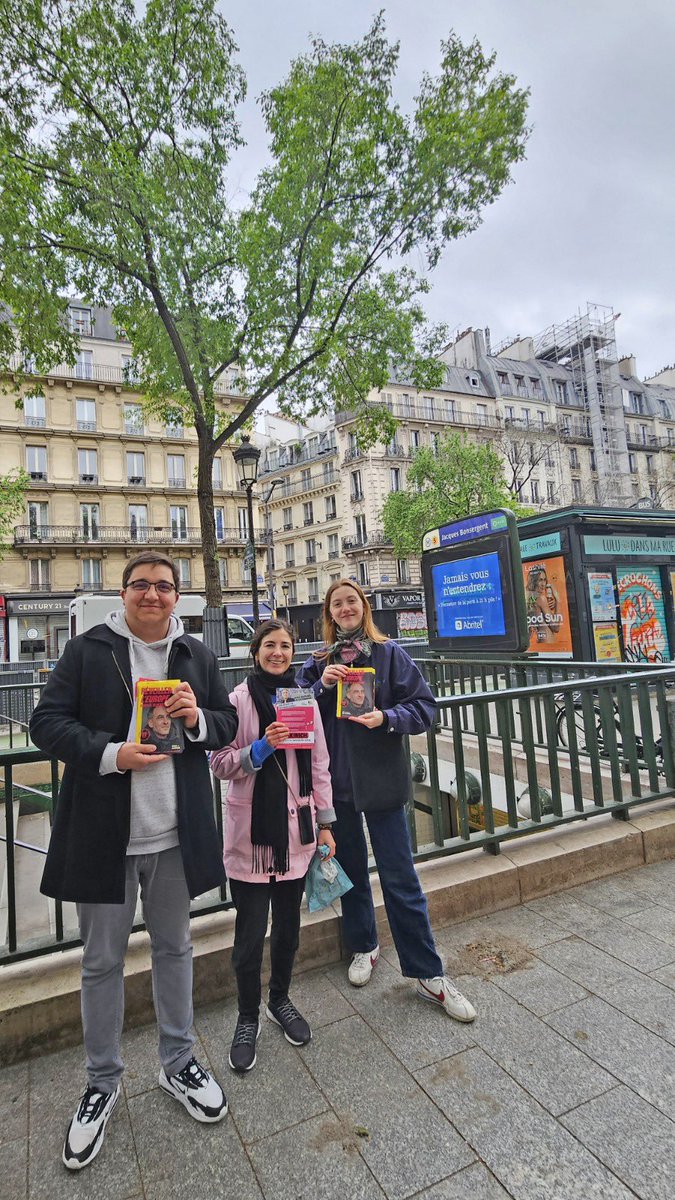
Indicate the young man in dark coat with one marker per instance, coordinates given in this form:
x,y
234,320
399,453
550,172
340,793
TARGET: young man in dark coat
x,y
130,816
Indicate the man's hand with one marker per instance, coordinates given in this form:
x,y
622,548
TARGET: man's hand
x,y
183,703
371,720
132,756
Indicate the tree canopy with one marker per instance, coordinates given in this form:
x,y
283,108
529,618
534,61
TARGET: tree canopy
x,y
457,479
117,131
12,498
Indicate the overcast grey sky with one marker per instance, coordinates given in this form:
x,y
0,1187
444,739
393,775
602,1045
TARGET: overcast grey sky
x,y
589,216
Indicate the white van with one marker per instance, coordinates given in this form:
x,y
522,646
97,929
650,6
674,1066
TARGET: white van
x,y
88,610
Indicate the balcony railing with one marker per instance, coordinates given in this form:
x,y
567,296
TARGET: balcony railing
x,y
124,535
176,481
99,373
86,426
427,410
290,459
136,481
35,422
305,485
88,478
371,541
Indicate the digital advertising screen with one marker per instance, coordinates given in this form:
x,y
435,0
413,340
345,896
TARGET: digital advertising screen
x,y
473,585
468,597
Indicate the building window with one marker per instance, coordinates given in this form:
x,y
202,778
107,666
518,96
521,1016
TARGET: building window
x,y
333,545
40,574
435,442
178,519
305,480
133,419
535,386
360,529
636,402
481,417
217,473
242,523
509,412
92,574
34,412
292,591
36,462
135,467
331,509
287,517
403,570
362,572
310,550
548,457
86,415
175,428
576,489
521,389
219,521
632,464
90,520
560,391
353,444
357,486
130,372
138,522
395,479
175,467
503,381
525,416
38,518
308,513
551,497
222,571
534,488
84,365
649,459
334,578
574,458
313,589
415,439
290,554
87,465
593,461
327,472
643,434
183,565
80,321
541,417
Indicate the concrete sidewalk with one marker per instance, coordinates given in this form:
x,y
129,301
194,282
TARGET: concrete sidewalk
x,y
564,1087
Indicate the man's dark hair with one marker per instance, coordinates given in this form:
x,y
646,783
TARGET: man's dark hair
x,y
152,558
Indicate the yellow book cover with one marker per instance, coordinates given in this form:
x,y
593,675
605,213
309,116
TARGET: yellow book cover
x,y
356,692
154,725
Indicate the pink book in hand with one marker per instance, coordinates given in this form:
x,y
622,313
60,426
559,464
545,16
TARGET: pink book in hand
x,y
295,708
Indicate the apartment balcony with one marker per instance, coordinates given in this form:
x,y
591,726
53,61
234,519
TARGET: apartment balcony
x,y
38,476
289,459
396,451
355,497
352,455
90,479
86,426
574,432
177,481
35,422
310,559
136,481
124,535
429,410
372,541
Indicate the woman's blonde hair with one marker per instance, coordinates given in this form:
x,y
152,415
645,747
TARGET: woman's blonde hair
x,y
330,628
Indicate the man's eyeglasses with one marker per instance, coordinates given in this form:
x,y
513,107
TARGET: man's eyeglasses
x,y
143,585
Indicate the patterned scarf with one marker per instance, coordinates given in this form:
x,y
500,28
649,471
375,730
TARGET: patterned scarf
x,y
350,645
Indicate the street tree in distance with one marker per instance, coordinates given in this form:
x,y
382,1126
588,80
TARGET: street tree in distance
x,y
12,499
117,130
457,479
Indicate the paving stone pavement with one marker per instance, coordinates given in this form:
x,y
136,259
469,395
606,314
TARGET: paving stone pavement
x,y
563,1089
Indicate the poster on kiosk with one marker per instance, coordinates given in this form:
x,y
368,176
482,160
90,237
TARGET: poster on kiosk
x,y
473,585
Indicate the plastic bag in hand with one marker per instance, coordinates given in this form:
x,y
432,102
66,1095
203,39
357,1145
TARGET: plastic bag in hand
x,y
325,882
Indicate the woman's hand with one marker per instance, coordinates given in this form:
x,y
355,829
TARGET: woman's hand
x,y
371,720
326,838
332,673
276,733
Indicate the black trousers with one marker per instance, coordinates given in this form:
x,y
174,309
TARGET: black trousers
x,y
252,902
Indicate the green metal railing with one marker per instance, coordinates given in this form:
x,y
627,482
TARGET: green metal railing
x,y
502,762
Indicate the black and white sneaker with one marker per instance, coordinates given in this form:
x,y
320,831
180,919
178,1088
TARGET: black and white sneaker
x,y
196,1089
295,1027
242,1050
87,1128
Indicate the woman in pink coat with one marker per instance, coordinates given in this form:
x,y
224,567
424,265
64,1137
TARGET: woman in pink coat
x,y
275,799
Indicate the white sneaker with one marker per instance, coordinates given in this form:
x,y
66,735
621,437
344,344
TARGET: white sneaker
x,y
361,967
87,1128
442,990
196,1089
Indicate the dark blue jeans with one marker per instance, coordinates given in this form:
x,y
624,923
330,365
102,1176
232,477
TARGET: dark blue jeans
x,y
404,899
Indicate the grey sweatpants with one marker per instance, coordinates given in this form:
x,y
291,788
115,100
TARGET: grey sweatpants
x,y
105,930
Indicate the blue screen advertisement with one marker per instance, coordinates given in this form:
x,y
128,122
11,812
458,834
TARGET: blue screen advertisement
x,y
468,597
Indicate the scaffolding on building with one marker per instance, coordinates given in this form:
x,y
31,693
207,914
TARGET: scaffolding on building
x,y
586,346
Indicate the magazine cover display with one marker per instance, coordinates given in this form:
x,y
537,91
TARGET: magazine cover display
x,y
154,725
356,692
295,707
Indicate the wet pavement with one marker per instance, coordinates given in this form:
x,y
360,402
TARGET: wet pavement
x,y
563,1088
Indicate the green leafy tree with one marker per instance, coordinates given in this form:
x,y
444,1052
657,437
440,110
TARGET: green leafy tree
x,y
457,480
116,133
12,497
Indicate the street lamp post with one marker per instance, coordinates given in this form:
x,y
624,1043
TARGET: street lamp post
x,y
267,496
284,588
246,459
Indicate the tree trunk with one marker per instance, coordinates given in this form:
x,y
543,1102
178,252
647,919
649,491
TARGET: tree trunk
x,y
214,593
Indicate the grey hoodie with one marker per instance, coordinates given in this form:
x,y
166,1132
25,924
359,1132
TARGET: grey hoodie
x,y
153,792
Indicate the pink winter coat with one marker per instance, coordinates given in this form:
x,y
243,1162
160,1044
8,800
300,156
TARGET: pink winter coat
x,y
227,764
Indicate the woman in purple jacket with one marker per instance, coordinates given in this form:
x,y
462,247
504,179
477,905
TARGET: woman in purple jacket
x,y
371,776
267,847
